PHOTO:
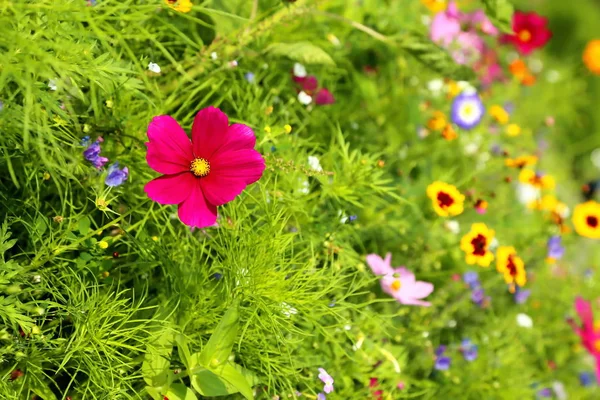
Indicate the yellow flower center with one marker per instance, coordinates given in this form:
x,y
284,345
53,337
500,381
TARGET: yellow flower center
x,y
524,35
200,167
468,110
396,285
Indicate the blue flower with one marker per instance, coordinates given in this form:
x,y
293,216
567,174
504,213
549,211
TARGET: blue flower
x,y
471,278
442,363
249,77
555,249
469,350
115,175
92,154
85,141
586,378
467,110
521,295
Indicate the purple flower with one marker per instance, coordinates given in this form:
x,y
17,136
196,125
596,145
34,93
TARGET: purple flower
x,y
92,154
586,378
555,249
471,278
521,295
469,350
321,396
327,380
546,392
249,76
116,176
442,363
467,110
441,349
478,296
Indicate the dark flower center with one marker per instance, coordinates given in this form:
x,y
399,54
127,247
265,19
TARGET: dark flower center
x,y
592,221
444,199
479,243
512,268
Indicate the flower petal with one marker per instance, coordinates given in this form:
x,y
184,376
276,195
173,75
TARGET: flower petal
x,y
414,302
584,309
195,211
239,137
230,173
209,131
171,189
378,265
169,148
421,289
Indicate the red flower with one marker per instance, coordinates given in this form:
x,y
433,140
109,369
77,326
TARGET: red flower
x,y
530,32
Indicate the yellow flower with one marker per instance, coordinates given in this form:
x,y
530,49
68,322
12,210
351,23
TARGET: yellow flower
x,y
449,133
453,89
287,128
591,56
446,199
586,218
513,130
521,161
435,6
183,6
437,122
476,244
103,244
499,114
537,180
511,266
546,203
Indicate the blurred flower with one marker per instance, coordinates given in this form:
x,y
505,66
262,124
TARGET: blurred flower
x,y
304,98
214,56
591,56
476,245
521,161
437,122
327,380
449,133
435,6
527,193
586,379
435,86
589,334
467,110
511,266
183,6
513,130
115,175
586,218
530,32
559,390
537,179
521,295
314,163
249,76
154,67
209,171
481,206
520,71
446,25
299,71
92,154
499,114
442,363
321,396
452,226
555,249
468,350
524,321
471,278
445,198
324,97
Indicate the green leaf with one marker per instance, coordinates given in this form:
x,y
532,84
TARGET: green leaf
x,y
303,52
184,352
221,342
500,12
43,391
41,225
222,381
179,391
155,367
84,225
435,58
154,393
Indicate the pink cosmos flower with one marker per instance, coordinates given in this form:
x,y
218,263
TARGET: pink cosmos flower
x,y
590,337
530,32
206,172
400,283
324,97
446,25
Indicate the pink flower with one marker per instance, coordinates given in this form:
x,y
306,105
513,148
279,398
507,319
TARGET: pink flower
x,y
400,283
590,337
324,97
206,172
446,25
480,21
530,32
327,380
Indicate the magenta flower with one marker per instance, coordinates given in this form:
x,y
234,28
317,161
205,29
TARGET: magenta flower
x,y
327,380
324,97
206,172
589,334
400,283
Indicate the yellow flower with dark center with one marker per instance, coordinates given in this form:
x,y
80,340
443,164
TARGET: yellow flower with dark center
x,y
591,56
446,199
513,130
586,218
476,244
183,6
449,133
511,266
499,114
435,6
437,122
521,161
542,181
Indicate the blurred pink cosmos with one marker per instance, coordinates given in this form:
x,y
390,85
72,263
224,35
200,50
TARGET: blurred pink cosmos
x,y
400,283
206,172
590,337
327,380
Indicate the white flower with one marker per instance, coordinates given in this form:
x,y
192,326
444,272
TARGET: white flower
x,y
299,70
233,63
347,327
154,67
524,321
536,65
37,279
466,87
305,189
559,390
527,193
553,76
452,226
435,86
52,84
304,98
288,310
494,244
214,55
471,148
314,163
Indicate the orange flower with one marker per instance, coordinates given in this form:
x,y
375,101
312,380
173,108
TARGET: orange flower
x,y
520,71
591,56
437,122
449,133
521,161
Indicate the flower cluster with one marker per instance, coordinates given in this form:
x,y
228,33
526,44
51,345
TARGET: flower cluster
x,y
478,295
309,88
